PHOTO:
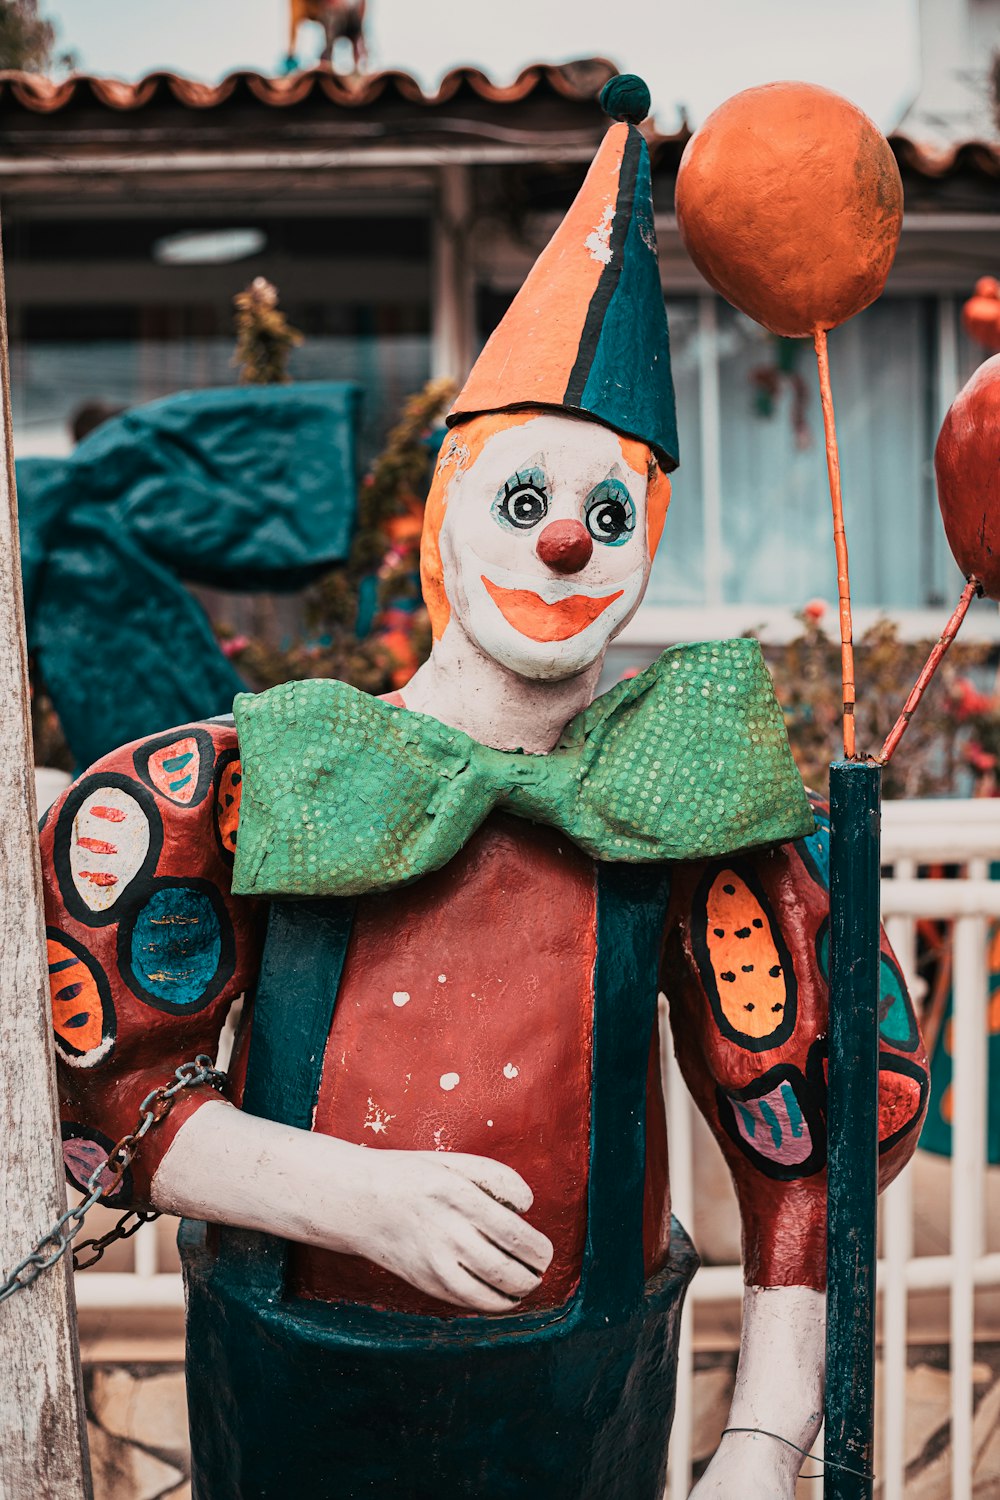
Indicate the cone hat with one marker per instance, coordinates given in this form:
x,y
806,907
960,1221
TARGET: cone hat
x,y
587,333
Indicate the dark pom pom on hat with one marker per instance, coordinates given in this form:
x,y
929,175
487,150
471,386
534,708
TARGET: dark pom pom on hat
x,y
626,97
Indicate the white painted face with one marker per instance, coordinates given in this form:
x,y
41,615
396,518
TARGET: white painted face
x,y
543,545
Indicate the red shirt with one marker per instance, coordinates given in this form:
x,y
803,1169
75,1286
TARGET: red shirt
x,y
464,1017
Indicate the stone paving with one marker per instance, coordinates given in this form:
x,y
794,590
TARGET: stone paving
x,y
138,1432
139,1447
928,1450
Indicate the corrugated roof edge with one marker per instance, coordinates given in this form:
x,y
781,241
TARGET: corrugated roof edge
x,y
578,82
982,157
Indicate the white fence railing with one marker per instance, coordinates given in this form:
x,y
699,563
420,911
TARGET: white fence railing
x,y
962,833
965,834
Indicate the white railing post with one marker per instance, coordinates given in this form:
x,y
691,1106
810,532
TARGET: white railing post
x,y
968,1094
897,1242
146,1251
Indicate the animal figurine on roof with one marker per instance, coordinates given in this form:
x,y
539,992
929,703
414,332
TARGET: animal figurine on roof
x,y
341,20
429,1249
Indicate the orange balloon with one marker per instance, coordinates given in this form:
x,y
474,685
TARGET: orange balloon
x,y
790,204
981,314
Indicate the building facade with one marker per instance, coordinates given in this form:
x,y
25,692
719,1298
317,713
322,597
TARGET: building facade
x,y
398,225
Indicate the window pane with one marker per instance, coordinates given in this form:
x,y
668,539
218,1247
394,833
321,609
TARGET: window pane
x,y
776,532
678,572
51,380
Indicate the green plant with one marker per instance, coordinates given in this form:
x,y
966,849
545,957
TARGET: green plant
x,y
365,622
27,40
264,337
806,672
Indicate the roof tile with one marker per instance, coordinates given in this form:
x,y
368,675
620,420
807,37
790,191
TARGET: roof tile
x,y
578,82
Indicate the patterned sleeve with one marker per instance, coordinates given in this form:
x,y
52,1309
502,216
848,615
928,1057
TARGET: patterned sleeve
x,y
746,964
147,947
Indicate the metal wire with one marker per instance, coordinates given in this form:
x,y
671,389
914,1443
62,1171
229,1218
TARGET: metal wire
x,y
825,1463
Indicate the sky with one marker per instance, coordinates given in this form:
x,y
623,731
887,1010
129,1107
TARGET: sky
x,y
692,55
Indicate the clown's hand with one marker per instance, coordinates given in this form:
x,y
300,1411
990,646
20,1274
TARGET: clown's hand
x,y
779,1395
449,1224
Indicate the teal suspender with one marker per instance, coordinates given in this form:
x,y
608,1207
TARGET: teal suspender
x,y
299,978
631,914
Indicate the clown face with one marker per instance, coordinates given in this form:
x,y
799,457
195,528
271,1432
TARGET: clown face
x,y
543,545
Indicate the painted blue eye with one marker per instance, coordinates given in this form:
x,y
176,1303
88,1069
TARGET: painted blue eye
x,y
609,514
523,501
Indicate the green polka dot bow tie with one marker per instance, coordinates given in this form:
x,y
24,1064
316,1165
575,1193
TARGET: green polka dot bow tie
x,y
344,794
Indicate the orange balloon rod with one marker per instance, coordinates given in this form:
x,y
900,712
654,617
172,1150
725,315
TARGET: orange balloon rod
x,y
972,588
839,542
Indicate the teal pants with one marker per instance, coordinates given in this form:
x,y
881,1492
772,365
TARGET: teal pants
x,y
336,1403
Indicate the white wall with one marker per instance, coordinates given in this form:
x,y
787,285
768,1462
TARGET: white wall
x,y
957,41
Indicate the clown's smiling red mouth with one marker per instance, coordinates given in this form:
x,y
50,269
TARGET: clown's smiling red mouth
x,y
532,616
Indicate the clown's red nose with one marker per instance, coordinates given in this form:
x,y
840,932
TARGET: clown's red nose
x,y
565,546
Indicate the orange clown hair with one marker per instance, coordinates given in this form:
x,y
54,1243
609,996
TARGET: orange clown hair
x,y
462,447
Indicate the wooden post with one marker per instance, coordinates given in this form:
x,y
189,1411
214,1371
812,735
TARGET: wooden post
x,y
453,313
852,1122
43,1444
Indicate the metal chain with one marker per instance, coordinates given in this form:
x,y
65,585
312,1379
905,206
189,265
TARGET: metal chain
x,y
53,1245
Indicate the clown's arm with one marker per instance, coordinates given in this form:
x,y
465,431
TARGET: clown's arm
x,y
148,949
745,970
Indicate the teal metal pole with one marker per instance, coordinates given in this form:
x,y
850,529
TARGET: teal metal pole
x,y
852,1122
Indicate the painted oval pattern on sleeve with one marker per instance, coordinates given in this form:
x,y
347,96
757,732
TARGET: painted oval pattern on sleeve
x,y
777,1123
107,839
897,1023
177,951
228,791
175,769
744,961
82,1012
178,765
86,1150
109,846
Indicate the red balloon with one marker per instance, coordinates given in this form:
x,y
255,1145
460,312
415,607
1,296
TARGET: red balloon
x,y
967,464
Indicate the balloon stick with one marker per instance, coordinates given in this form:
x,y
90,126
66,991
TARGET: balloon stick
x,y
839,542
972,588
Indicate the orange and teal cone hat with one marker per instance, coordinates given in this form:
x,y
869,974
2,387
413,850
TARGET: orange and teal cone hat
x,y
587,332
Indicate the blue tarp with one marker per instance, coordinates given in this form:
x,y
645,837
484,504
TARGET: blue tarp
x,y
246,488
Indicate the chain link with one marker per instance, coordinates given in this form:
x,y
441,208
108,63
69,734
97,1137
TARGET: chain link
x,y
53,1245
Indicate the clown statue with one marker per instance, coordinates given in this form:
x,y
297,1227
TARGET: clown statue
x,y
428,1247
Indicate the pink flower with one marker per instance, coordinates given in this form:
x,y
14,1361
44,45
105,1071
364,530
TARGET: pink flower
x,y
968,700
815,610
235,645
979,759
